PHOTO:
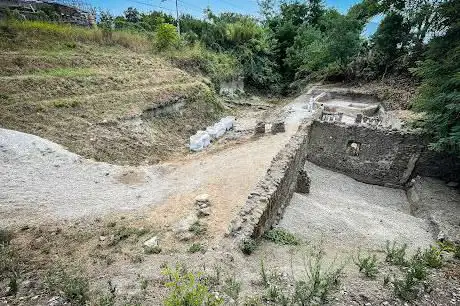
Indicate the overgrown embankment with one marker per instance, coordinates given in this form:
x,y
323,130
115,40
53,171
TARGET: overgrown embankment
x,y
99,98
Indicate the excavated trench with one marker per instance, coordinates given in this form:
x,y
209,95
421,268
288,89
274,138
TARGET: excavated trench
x,y
358,198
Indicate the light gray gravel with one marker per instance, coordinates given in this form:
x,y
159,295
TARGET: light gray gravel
x,y
347,214
41,180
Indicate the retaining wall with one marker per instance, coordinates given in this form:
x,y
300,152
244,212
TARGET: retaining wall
x,y
376,155
266,203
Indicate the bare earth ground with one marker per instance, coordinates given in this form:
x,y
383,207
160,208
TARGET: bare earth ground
x,y
40,176
94,217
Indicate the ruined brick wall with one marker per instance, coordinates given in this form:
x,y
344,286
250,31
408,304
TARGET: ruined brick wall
x,y
376,155
368,154
265,205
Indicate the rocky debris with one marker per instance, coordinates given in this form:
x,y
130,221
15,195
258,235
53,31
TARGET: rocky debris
x,y
182,228
152,242
56,301
260,128
204,212
202,202
303,182
278,127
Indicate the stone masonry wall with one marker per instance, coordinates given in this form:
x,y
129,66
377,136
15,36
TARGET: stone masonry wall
x,y
265,205
376,155
368,154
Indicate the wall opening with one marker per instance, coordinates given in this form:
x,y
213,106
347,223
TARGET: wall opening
x,y
353,148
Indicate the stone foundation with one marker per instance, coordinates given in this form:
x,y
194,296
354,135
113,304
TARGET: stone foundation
x,y
266,203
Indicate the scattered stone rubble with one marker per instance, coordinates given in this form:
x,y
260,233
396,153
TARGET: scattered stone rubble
x,y
203,205
260,128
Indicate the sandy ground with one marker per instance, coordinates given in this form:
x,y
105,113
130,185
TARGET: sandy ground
x,y
346,214
43,182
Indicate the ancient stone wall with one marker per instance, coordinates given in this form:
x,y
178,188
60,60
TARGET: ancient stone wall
x,y
371,155
376,155
268,200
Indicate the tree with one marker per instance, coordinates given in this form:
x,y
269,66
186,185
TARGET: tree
x,y
132,15
439,93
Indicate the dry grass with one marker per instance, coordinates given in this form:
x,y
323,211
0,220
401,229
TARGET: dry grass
x,y
88,94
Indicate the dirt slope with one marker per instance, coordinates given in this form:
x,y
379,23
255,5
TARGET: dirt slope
x,y
100,101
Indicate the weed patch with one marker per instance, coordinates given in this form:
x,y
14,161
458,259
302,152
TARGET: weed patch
x,y
187,288
395,254
198,228
248,246
72,284
282,237
432,258
196,247
367,265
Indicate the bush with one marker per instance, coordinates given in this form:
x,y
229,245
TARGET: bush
x,y
166,36
197,59
432,257
282,236
187,289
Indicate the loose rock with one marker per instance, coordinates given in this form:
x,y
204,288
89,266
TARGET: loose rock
x,y
278,127
260,128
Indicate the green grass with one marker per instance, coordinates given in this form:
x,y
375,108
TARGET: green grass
x,y
49,35
198,228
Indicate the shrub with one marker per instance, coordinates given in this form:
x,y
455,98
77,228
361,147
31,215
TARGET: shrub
x,y
394,254
248,245
166,36
281,236
319,281
367,265
187,289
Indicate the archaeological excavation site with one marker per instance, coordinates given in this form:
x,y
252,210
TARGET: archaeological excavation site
x,y
298,155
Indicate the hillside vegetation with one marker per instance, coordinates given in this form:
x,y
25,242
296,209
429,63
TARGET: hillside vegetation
x,y
96,97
